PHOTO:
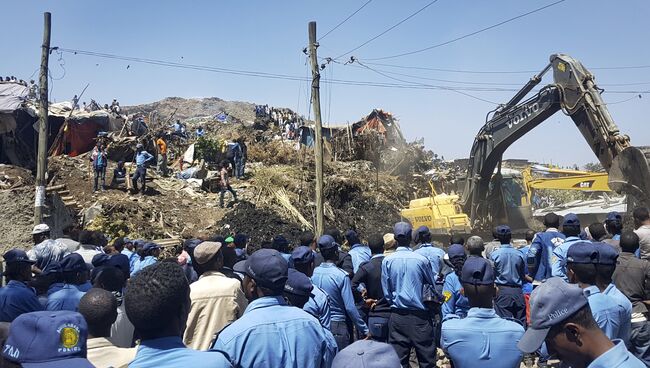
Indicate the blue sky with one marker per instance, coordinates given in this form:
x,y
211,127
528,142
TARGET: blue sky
x,y
268,36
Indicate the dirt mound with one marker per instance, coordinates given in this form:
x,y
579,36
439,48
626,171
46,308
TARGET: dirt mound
x,y
183,108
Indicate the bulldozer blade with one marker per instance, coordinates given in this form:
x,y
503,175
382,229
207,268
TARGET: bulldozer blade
x,y
630,174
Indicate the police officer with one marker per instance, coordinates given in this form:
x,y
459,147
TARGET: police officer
x,y
540,253
16,297
454,301
336,284
345,260
482,339
270,333
66,295
571,231
435,255
358,251
509,266
581,261
403,277
318,304
298,288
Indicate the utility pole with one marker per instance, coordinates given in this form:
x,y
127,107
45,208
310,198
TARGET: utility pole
x,y
318,147
41,162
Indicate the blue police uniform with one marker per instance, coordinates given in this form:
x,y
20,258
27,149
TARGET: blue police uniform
x,y
127,253
318,306
609,315
85,286
435,256
509,266
336,284
17,298
63,297
139,264
272,334
482,339
170,352
360,253
454,301
540,254
617,357
527,287
558,261
612,291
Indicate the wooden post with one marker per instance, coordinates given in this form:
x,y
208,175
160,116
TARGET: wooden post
x,y
41,162
318,146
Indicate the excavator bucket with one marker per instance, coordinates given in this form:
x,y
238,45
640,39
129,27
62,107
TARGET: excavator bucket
x,y
630,174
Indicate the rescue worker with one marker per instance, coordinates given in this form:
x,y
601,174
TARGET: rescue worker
x,y
157,302
336,284
16,297
571,231
581,270
454,301
225,183
482,339
162,155
403,276
318,305
509,267
561,317
359,252
141,159
270,333
66,295
540,255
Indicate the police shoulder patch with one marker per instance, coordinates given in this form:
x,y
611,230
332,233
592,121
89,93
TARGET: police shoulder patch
x,y
446,295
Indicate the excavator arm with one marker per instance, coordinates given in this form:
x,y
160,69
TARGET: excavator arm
x,y
576,94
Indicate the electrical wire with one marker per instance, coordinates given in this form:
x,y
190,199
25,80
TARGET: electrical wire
x,y
345,20
389,29
461,71
626,100
468,34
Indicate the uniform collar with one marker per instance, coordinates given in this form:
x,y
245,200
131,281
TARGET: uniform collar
x,y
591,290
482,313
163,343
552,230
267,301
571,238
17,284
327,265
99,342
509,245
425,245
356,246
614,357
403,249
211,273
377,256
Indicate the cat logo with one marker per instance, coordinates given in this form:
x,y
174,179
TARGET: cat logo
x,y
69,336
447,295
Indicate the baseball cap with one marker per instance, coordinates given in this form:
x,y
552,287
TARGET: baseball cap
x,y
402,230
550,303
230,239
455,250
298,283
73,262
240,267
205,251
48,339
352,237
503,230
607,255
477,271
582,252
268,268
40,228
326,242
17,255
280,241
422,230
51,269
100,259
571,219
240,239
120,261
366,354
302,255
150,246
614,216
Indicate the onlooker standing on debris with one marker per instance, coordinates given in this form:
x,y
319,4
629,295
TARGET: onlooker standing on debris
x,y
225,183
632,278
157,302
482,339
217,300
141,159
162,155
271,334
571,230
540,254
99,309
368,279
509,267
642,223
238,157
403,276
359,252
318,304
454,301
119,174
16,297
336,284
244,158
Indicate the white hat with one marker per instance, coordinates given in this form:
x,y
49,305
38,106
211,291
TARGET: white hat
x,y
40,228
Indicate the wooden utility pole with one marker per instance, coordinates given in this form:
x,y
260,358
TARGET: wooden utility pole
x,y
41,162
318,146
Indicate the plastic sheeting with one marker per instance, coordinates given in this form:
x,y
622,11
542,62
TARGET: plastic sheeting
x,y
12,96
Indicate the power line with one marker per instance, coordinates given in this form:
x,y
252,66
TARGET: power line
x,y
461,71
625,100
345,20
469,34
389,29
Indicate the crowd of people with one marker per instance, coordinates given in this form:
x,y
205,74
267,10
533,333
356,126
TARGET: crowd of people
x,y
287,121
575,294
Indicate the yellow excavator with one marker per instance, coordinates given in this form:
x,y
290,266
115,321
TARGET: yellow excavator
x,y
487,199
